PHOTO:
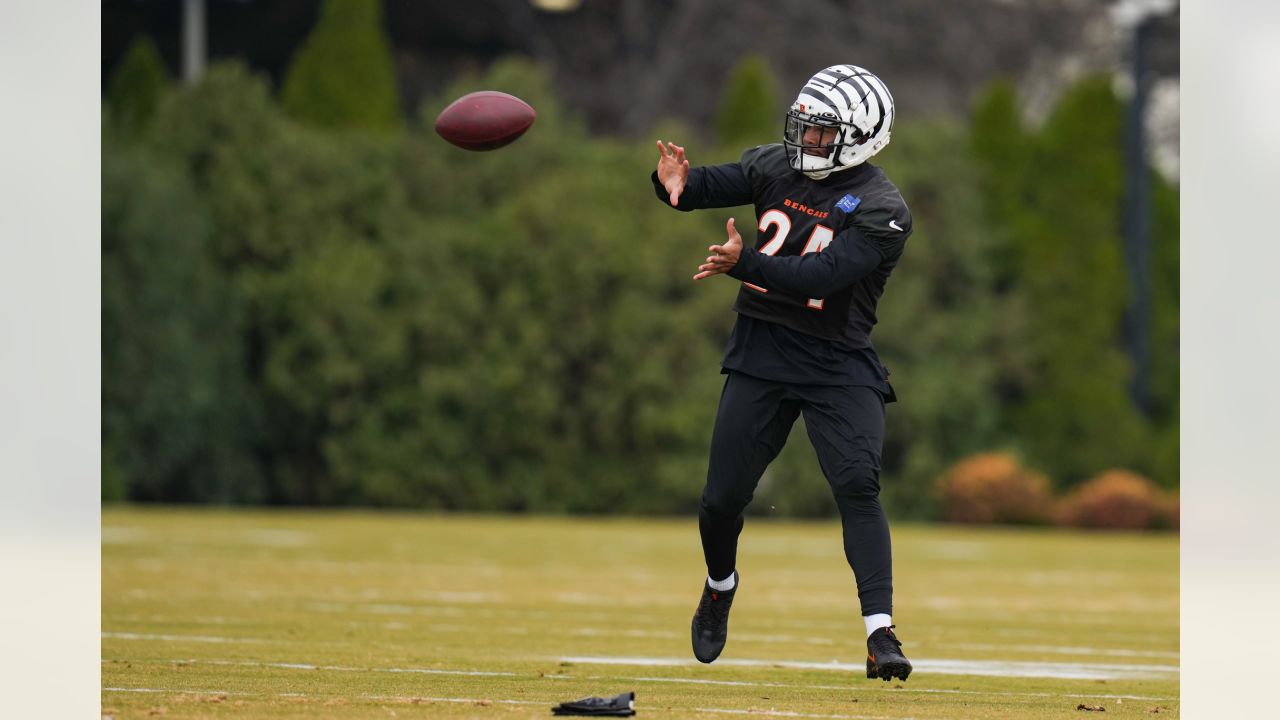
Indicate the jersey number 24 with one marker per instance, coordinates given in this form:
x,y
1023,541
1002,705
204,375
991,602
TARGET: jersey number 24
x,y
818,239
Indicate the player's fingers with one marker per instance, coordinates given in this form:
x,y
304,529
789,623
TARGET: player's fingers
x,y
675,197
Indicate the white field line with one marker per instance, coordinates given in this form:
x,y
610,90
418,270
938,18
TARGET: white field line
x,y
874,687
181,638
474,611
339,668
472,701
1060,671
607,632
785,713
1065,650
175,692
194,619
499,701
730,711
260,537
448,627
398,698
783,639
611,678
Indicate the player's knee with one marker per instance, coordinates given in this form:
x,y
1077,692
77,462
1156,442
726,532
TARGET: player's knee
x,y
857,483
724,504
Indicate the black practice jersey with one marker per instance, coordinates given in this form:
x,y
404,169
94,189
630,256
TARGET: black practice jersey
x,y
822,254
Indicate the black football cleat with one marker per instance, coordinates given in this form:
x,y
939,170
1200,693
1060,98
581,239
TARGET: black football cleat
x,y
884,656
711,621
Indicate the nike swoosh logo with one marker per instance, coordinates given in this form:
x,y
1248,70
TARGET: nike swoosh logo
x,y
894,224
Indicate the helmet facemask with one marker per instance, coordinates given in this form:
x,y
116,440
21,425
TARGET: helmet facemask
x,y
816,141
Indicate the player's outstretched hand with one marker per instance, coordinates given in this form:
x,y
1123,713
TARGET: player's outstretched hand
x,y
722,257
673,170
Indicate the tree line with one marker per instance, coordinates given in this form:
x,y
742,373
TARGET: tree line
x,y
308,300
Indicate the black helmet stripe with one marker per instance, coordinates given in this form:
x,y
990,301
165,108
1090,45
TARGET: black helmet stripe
x,y
836,83
886,100
871,82
822,94
890,110
862,92
867,91
849,101
849,73
878,85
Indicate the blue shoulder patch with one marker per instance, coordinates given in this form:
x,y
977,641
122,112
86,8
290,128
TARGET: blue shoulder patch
x,y
848,203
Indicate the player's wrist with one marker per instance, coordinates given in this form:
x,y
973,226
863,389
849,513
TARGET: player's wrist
x,y
747,265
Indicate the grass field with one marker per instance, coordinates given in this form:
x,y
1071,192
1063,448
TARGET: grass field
x,y
363,615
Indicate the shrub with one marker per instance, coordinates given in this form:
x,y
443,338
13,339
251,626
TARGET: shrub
x,y
1116,499
993,488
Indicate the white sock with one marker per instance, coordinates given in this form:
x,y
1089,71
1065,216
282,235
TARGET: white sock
x,y
877,621
724,585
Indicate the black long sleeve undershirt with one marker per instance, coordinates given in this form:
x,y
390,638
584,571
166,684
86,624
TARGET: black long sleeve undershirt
x,y
846,259
713,186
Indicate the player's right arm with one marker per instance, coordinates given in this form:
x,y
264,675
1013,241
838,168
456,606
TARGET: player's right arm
x,y
713,186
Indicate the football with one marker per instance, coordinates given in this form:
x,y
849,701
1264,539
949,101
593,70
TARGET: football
x,y
485,120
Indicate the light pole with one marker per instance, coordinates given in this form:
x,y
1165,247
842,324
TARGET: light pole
x,y
193,32
1140,15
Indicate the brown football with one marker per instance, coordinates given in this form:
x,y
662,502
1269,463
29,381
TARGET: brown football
x,y
485,120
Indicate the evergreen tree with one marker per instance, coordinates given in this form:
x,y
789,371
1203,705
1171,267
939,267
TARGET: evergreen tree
x,y
1055,196
1076,414
750,113
136,87
1001,149
343,76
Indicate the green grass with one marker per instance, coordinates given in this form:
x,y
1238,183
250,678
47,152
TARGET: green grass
x,y
210,614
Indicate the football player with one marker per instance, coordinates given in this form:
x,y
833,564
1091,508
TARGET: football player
x,y
830,229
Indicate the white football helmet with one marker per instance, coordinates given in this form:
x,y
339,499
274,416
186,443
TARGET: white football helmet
x,y
847,114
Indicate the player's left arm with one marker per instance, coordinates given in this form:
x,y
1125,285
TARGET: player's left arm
x,y
711,186
851,255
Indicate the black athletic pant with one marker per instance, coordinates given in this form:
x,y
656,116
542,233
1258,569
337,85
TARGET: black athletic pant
x,y
846,426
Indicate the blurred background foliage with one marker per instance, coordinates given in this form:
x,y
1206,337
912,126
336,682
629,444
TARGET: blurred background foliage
x,y
310,300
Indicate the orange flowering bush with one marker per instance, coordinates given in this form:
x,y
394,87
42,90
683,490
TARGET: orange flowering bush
x,y
1115,499
994,488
